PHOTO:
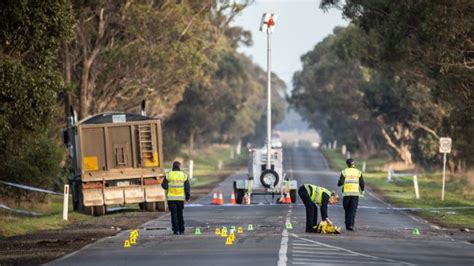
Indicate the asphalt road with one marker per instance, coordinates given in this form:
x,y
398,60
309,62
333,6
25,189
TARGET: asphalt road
x,y
383,236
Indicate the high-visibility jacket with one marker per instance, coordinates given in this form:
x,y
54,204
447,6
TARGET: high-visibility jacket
x,y
351,181
316,193
176,181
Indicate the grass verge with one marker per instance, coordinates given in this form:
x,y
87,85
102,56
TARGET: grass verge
x,y
206,164
400,193
20,224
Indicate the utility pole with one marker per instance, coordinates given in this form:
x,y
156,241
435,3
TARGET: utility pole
x,y
267,25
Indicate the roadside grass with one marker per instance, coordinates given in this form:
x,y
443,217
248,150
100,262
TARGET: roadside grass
x,y
20,224
206,162
205,171
400,193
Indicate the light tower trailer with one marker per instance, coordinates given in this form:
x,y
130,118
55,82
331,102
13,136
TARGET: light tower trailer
x,y
116,159
262,181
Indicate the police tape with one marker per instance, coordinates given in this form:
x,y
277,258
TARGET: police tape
x,y
198,205
35,189
20,211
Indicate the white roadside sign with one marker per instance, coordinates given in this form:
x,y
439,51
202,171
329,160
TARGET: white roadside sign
x,y
445,145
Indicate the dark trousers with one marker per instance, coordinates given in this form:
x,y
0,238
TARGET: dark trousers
x,y
176,209
311,209
350,208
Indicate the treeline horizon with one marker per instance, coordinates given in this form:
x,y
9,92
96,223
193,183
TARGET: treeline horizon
x,y
179,56
397,78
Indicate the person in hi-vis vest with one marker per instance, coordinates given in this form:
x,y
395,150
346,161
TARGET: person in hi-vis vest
x,y
178,190
311,196
353,185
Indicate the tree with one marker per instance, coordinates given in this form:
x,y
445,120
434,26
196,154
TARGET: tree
x,y
126,51
326,92
30,36
427,44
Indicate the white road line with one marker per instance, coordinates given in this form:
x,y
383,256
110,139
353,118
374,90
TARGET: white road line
x,y
321,253
282,257
340,262
349,251
311,248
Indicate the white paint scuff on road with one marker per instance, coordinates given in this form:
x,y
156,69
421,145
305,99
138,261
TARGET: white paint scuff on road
x,y
282,257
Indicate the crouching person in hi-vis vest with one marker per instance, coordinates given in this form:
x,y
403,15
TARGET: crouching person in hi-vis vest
x,y
178,190
311,196
353,185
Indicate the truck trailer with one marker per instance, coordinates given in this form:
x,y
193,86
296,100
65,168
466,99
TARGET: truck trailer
x,y
116,159
263,181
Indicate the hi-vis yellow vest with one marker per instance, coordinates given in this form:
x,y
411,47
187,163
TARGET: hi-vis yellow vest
x,y
176,181
351,182
316,193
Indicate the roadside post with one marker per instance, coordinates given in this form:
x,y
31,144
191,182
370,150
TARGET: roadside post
x,y
343,149
444,148
267,25
191,169
415,184
66,202
364,166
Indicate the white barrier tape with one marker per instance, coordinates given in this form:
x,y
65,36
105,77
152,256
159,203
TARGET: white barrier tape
x,y
20,211
30,188
196,205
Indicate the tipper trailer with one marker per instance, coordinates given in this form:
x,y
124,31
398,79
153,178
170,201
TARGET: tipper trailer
x,y
116,159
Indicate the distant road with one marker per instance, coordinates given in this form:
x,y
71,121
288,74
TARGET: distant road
x,y
382,236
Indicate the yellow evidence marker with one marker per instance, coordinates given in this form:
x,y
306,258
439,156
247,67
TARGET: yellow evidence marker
x,y
126,244
218,231
232,236
224,232
133,240
229,241
240,230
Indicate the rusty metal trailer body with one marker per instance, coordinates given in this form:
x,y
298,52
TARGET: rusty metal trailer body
x,y
117,159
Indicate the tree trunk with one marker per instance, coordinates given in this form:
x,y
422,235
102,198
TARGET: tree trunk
x,y
67,79
401,148
83,95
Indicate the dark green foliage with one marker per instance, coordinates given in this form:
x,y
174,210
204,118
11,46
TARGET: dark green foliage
x,y
419,61
30,35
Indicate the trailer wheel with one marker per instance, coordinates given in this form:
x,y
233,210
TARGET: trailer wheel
x,y
89,210
161,206
239,195
268,177
100,210
293,195
150,206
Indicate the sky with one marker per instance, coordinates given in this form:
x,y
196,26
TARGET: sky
x,y
300,25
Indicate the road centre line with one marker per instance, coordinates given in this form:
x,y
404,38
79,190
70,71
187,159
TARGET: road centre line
x,y
282,257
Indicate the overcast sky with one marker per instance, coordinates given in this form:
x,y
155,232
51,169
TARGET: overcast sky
x,y
300,25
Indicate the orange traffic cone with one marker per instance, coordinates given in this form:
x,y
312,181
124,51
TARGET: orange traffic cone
x,y
215,201
221,199
281,200
288,198
232,198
